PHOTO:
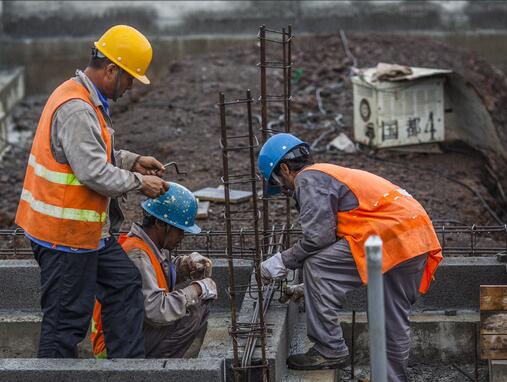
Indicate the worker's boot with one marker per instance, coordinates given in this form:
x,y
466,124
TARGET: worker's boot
x,y
313,360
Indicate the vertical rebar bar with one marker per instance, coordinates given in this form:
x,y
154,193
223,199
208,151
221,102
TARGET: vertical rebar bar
x,y
286,114
264,125
376,313
258,253
289,75
228,228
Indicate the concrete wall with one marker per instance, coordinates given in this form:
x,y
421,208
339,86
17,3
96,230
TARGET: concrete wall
x,y
79,18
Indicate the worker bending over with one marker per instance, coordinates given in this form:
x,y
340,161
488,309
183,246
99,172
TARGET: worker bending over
x,y
173,318
68,206
339,208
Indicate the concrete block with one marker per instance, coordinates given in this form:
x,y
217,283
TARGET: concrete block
x,y
20,332
456,285
20,280
436,338
497,371
12,88
119,370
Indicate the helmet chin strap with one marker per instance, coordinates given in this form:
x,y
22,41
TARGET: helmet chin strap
x,y
116,94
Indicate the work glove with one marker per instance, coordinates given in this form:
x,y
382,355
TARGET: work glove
x,y
273,268
209,289
200,266
293,293
195,266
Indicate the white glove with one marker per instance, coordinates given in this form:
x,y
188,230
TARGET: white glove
x,y
294,293
273,268
209,289
200,266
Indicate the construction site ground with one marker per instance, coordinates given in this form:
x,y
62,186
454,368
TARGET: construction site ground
x,y
176,119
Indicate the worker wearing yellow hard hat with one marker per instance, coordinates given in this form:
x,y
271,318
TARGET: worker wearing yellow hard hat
x,y
127,48
68,207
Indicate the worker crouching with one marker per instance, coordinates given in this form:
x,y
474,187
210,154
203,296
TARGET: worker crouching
x,y
173,317
339,208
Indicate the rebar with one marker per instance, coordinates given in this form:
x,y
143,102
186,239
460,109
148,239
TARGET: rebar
x,y
257,327
456,240
228,227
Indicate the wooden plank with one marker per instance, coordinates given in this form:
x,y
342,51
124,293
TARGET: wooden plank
x,y
493,297
218,195
202,209
493,346
494,323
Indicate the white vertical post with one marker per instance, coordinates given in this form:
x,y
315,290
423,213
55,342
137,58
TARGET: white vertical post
x,y
376,312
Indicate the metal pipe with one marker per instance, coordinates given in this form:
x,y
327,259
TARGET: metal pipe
x,y
376,313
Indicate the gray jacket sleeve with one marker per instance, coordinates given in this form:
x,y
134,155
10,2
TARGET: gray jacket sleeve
x,y
78,135
319,197
161,308
125,159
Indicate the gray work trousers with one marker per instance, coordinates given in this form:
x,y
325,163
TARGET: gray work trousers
x,y
173,340
330,274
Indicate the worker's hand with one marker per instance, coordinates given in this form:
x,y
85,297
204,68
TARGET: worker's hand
x,y
152,186
146,165
273,268
208,289
200,267
293,293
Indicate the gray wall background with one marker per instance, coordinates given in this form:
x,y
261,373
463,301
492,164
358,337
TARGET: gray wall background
x,y
53,38
84,18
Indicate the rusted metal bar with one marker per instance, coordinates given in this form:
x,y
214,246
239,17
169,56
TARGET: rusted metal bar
x,y
264,122
228,227
258,260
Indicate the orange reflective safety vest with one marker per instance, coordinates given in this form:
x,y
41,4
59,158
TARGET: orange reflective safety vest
x,y
55,206
128,243
390,212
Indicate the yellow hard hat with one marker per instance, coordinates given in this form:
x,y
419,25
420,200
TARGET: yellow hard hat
x,y
127,48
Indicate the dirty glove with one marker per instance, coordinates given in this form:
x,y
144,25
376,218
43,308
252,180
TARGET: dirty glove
x,y
294,293
208,287
273,268
200,266
194,266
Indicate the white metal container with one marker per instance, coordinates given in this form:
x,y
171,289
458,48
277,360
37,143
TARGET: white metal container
x,y
407,111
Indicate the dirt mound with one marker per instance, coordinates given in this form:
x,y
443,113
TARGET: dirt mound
x,y
176,119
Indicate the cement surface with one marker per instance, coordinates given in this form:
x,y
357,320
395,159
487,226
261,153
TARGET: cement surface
x,y
20,280
120,370
498,371
436,337
456,285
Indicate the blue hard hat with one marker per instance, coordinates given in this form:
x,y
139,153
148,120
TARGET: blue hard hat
x,y
177,207
272,152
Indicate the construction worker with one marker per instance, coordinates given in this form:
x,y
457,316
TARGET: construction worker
x,y
68,204
339,208
172,318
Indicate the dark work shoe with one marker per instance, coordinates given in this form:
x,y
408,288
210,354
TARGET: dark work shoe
x,y
313,360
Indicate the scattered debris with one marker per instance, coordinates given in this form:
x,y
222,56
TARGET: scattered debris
x,y
342,143
218,195
202,209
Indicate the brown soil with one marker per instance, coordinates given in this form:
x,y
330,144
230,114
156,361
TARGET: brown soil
x,y
176,119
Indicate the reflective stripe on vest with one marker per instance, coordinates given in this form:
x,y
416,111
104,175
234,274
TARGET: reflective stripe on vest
x,y
60,212
55,206
53,176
